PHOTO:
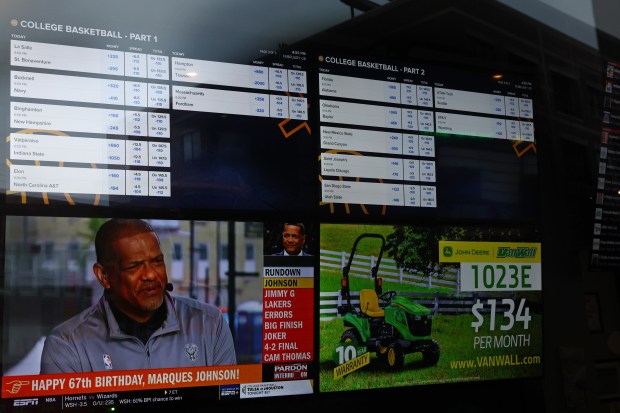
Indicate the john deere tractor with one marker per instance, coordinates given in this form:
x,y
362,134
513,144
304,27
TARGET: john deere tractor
x,y
389,324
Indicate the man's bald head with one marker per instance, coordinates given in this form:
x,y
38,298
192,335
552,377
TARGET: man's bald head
x,y
113,230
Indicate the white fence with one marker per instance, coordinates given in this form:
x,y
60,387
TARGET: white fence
x,y
388,270
452,302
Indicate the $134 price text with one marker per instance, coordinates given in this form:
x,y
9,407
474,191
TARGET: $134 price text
x,y
508,317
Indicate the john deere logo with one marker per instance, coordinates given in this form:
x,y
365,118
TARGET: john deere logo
x,y
447,251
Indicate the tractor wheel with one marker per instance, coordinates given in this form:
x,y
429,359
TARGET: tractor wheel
x,y
350,336
430,356
393,357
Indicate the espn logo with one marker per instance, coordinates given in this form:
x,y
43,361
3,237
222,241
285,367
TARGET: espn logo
x,y
25,402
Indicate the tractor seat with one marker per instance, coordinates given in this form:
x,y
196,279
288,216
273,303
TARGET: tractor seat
x,y
369,303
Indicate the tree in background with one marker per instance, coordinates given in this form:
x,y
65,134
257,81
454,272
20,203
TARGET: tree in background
x,y
416,249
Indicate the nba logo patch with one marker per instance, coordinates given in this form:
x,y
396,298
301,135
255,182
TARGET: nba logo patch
x,y
191,350
107,361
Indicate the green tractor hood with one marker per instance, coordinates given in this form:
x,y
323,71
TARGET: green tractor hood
x,y
409,306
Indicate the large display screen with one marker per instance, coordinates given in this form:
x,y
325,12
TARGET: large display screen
x,y
406,139
417,305
131,117
140,116
266,299
344,221
604,251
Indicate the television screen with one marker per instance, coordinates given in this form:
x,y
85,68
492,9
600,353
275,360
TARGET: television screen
x,y
409,305
403,139
604,252
265,298
138,115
